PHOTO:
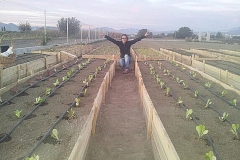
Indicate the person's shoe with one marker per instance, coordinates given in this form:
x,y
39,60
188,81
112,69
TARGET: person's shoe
x,y
126,71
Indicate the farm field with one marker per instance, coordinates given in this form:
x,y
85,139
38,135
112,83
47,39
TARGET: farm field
x,y
208,106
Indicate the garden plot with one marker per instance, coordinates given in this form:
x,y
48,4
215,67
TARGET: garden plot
x,y
29,112
173,91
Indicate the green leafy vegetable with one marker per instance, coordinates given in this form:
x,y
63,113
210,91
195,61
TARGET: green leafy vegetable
x,y
189,113
234,130
224,117
56,83
55,134
17,113
201,130
210,156
208,103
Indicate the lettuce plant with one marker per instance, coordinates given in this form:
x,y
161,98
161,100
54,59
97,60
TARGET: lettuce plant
x,y
90,77
34,157
85,91
54,134
208,103
168,72
77,100
196,93
182,67
210,156
179,100
189,113
71,113
69,73
48,91
224,92
168,91
64,78
72,70
39,100
233,102
201,130
17,113
208,84
185,85
56,83
173,77
234,130
161,84
158,80
80,67
224,117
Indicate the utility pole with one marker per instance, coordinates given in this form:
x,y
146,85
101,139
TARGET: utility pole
x,y
67,30
81,30
45,28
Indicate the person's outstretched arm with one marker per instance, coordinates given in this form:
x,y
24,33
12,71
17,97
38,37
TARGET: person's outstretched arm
x,y
111,39
139,38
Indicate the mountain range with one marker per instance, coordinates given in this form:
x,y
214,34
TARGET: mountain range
x,y
14,27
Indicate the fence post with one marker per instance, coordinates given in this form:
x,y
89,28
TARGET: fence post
x,y
45,62
220,74
226,77
1,82
150,118
18,72
204,66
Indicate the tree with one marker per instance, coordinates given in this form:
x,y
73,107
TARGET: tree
x,y
184,32
141,32
73,25
24,27
219,35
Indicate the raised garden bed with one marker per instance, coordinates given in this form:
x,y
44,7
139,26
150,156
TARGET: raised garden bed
x,y
183,132
36,126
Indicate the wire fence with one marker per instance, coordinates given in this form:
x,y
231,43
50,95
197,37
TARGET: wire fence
x,y
44,27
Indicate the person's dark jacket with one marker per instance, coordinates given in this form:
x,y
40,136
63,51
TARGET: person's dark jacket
x,y
124,48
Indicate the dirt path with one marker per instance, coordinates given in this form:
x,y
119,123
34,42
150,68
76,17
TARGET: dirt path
x,y
121,128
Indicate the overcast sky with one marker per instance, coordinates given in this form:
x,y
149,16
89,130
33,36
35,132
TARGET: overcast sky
x,y
159,15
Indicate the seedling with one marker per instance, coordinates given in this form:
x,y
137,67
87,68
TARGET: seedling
x,y
210,156
196,93
71,113
234,130
161,84
77,100
72,70
55,134
146,63
168,91
164,71
80,67
224,117
17,113
208,84
173,77
69,73
233,102
185,85
179,100
56,83
223,93
34,157
48,91
158,80
39,100
64,78
194,75
85,91
178,79
90,77
189,113
208,103
182,67
168,72
201,130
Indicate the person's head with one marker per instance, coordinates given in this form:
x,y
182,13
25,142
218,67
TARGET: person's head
x,y
124,38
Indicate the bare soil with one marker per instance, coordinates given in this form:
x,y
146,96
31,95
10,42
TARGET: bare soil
x,y
121,128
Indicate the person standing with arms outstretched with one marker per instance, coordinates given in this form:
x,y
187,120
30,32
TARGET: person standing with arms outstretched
x,y
124,46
